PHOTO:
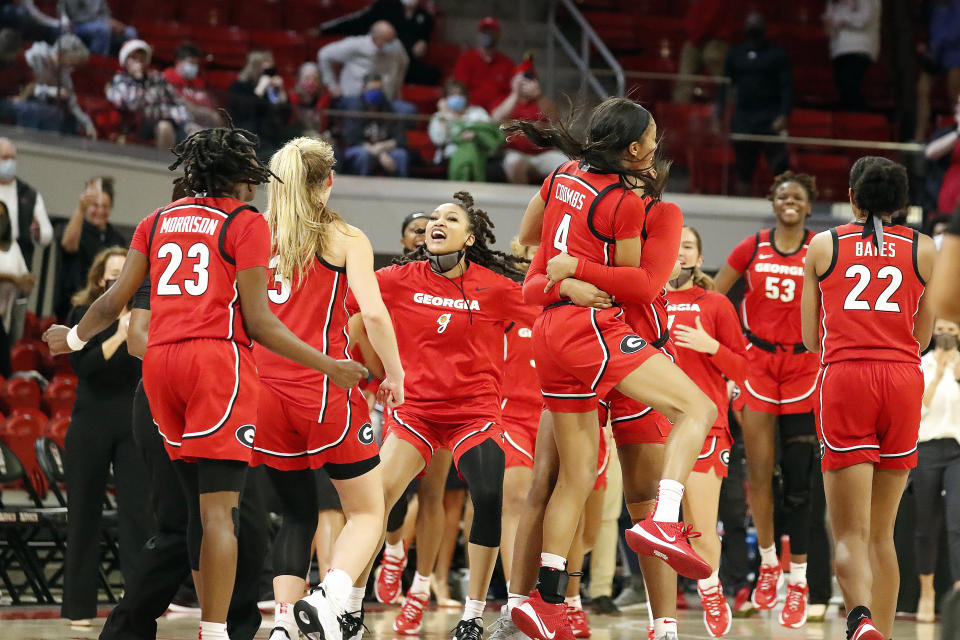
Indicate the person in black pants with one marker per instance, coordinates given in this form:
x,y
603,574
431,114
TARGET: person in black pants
x,y
163,563
100,434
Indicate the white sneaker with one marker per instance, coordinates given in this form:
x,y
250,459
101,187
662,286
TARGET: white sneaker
x,y
316,617
504,629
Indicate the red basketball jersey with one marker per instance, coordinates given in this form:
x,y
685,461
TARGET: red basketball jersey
x,y
870,297
719,319
586,213
450,336
521,388
195,247
771,304
314,309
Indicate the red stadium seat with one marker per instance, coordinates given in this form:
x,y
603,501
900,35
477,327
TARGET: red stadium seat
x,y
24,357
20,393
809,123
707,167
19,431
266,14
420,142
57,429
684,126
305,14
59,396
861,126
832,172
424,96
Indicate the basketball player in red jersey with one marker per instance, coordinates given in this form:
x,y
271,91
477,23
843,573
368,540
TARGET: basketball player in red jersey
x,y
450,302
865,311
587,209
306,422
710,348
207,257
780,385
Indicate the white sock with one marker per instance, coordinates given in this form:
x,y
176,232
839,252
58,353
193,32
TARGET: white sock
x,y
662,625
473,609
574,602
395,551
213,631
768,556
337,586
355,601
513,599
709,583
669,495
553,561
798,573
421,584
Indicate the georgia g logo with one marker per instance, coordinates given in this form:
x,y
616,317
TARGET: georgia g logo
x,y
725,457
245,435
632,344
365,435
823,450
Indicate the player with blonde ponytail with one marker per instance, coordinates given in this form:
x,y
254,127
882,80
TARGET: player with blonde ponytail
x,y
305,422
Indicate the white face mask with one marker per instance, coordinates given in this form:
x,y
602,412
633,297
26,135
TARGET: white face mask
x,y
8,169
938,241
189,70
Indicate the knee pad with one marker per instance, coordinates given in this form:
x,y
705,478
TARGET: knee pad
x,y
397,514
482,468
639,510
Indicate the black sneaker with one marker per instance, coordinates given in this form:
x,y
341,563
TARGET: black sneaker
x,y
351,624
605,606
469,630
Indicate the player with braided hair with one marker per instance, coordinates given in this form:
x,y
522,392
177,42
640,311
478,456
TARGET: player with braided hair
x,y
206,255
451,302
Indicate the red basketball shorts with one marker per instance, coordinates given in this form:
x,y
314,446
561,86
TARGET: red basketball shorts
x,y
634,422
869,411
427,436
582,354
715,455
780,383
293,434
520,422
203,395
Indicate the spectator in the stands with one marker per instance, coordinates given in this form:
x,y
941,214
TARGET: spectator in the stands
x,y
464,134
89,19
29,222
308,100
258,101
49,101
525,162
943,154
485,70
414,26
854,30
87,233
15,281
709,29
759,71
939,57
372,143
144,96
186,76
379,52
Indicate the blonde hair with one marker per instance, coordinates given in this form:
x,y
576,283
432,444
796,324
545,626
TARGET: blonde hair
x,y
251,69
699,277
298,218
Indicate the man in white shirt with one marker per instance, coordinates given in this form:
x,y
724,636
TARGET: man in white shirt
x,y
28,214
379,52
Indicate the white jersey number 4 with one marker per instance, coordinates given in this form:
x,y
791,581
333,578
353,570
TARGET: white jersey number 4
x,y
563,230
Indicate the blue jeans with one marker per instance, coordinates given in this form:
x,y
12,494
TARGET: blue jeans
x,y
358,161
97,35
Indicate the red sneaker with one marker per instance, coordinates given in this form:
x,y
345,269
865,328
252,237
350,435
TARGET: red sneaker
x,y
541,620
866,631
794,614
668,541
388,585
717,616
579,622
411,614
650,633
765,593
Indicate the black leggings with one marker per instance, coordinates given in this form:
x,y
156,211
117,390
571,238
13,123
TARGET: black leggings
x,y
299,505
206,476
936,490
799,460
482,468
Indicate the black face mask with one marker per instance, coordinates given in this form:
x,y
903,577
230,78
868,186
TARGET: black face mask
x,y
443,262
683,277
6,231
107,284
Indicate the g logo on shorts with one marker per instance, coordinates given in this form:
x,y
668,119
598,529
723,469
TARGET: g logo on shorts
x,y
365,434
245,435
725,457
823,450
632,344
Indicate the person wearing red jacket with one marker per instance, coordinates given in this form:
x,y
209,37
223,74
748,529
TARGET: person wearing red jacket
x,y
709,27
485,70
710,348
